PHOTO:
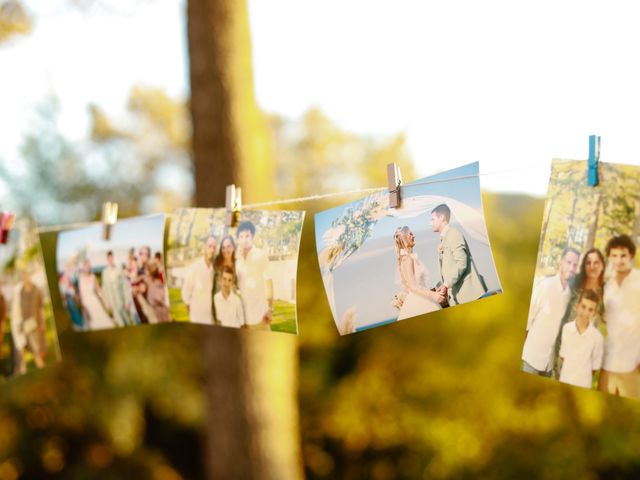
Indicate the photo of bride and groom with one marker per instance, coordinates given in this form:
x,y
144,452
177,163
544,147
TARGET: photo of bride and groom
x,y
381,264
114,283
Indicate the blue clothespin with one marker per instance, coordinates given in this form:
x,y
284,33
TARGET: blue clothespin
x,y
594,159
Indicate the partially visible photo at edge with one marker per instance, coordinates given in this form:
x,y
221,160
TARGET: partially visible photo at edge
x,y
380,265
28,336
583,326
240,277
119,282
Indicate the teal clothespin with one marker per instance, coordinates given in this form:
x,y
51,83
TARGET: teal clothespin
x,y
594,159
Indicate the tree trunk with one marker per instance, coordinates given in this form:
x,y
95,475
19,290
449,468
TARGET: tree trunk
x,y
593,229
252,425
545,224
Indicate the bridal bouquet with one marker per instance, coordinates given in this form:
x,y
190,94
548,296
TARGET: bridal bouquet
x,y
398,300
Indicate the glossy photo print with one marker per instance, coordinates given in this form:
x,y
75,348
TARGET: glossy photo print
x,y
381,265
240,277
583,327
28,337
119,282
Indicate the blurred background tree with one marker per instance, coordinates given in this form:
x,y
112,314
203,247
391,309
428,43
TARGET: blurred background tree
x,y
434,397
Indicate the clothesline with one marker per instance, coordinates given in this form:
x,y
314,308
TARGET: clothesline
x,y
57,228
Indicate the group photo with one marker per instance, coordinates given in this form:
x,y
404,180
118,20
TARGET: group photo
x,y
28,336
242,276
119,282
380,265
583,326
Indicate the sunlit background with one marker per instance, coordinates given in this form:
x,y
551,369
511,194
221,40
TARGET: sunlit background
x,y
509,85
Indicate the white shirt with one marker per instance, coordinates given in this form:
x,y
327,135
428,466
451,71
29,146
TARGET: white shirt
x,y
252,273
229,310
548,303
622,315
197,291
581,353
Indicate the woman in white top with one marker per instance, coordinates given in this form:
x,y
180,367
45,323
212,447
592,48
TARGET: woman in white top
x,y
90,296
418,298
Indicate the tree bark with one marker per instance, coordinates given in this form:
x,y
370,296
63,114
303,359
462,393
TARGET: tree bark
x,y
593,229
252,424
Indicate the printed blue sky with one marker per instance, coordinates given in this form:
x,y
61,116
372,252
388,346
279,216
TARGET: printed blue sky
x,y
132,232
465,190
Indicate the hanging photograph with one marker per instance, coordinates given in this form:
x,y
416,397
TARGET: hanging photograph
x,y
119,282
28,337
380,265
583,326
242,276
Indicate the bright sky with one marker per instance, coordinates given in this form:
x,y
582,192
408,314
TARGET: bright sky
x,y
509,84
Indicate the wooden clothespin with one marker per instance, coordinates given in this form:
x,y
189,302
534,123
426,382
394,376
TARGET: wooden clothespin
x,y
594,160
109,218
7,220
233,203
394,180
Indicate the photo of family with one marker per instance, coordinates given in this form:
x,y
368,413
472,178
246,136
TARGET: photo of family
x,y
240,277
28,337
381,265
119,282
583,326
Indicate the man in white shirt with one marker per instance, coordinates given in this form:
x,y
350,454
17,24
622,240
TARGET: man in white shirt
x,y
620,374
549,302
254,282
229,312
197,289
581,346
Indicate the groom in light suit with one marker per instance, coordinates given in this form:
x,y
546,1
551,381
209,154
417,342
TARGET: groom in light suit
x,y
461,281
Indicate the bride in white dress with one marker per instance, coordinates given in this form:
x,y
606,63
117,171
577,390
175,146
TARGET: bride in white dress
x,y
90,293
418,298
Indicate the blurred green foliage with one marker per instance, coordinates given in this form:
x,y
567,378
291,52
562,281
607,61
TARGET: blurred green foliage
x,y
439,396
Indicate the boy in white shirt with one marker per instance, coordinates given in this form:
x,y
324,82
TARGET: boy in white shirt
x,y
582,344
229,312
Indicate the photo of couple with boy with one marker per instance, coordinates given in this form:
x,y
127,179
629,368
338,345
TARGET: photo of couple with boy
x,y
240,276
583,326
229,284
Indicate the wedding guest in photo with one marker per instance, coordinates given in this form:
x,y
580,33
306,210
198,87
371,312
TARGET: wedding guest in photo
x,y
70,299
548,304
131,272
197,289
140,295
589,277
156,295
229,311
144,255
254,282
135,273
27,323
581,345
226,257
92,299
158,257
117,293
620,374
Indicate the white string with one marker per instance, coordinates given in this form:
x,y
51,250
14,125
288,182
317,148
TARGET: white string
x,y
316,197
374,190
